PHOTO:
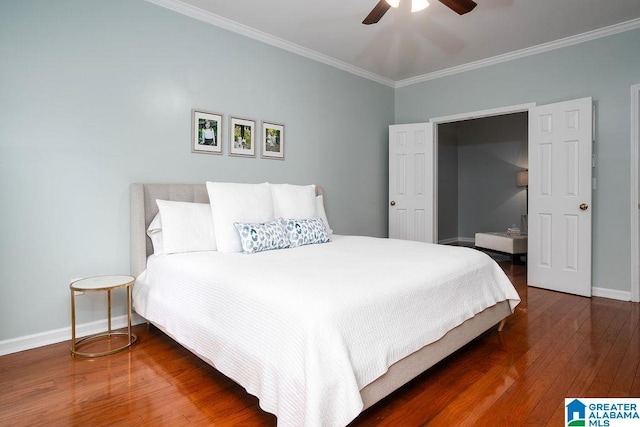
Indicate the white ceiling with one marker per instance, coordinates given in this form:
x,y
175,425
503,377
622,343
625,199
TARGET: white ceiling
x,y
406,46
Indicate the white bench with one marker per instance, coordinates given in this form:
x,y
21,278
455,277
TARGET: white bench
x,y
498,241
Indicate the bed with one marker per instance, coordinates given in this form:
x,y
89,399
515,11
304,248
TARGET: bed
x,y
310,329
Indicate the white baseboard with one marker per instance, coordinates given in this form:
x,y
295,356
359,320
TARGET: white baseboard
x,y
611,293
28,342
456,240
448,241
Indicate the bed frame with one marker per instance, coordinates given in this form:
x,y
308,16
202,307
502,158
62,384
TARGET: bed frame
x,y
144,208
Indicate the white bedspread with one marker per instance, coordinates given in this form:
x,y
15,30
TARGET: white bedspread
x,y
305,329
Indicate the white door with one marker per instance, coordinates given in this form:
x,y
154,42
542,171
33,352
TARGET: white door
x,y
411,182
560,162
635,202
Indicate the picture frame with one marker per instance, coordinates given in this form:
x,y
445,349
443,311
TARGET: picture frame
x,y
242,137
206,132
273,141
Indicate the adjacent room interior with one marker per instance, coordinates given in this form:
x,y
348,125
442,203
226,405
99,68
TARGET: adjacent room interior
x,y
478,164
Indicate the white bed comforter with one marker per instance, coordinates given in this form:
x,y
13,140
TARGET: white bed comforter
x,y
305,329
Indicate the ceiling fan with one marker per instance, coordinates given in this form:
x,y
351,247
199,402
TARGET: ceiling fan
x,y
459,6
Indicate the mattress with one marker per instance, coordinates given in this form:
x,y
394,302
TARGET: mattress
x,y
305,329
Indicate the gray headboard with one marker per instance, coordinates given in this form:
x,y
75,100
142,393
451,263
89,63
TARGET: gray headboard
x,y
144,209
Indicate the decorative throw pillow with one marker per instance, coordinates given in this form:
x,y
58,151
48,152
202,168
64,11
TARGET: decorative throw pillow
x,y
258,237
305,231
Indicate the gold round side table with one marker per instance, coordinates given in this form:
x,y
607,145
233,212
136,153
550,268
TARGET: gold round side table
x,y
98,284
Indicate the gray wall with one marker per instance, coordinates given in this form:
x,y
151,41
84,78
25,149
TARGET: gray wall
x,y
98,94
603,69
491,151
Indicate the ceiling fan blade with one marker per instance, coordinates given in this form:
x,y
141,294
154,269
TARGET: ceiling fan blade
x,y
378,12
460,6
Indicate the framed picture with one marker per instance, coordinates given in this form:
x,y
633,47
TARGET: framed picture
x,y
242,137
272,141
206,132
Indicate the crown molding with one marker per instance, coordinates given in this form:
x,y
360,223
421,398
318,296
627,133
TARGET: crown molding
x,y
227,24
534,50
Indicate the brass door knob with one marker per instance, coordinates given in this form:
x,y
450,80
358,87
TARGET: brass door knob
x,y
584,206
393,203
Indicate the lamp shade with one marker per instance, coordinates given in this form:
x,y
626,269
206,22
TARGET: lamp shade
x,y
522,178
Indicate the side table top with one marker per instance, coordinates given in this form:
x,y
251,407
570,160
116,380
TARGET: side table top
x,y
505,234
102,283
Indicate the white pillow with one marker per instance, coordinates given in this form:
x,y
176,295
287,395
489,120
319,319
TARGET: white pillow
x,y
322,213
294,201
232,202
186,227
154,231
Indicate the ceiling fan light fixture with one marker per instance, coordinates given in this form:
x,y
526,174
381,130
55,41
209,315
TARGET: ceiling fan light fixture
x,y
418,5
393,3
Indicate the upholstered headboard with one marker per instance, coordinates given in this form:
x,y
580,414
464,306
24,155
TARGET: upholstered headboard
x,y
144,209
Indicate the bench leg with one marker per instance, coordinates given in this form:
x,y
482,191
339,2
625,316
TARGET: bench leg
x,y
501,325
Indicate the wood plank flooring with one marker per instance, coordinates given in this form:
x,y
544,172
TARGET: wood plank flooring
x,y
554,346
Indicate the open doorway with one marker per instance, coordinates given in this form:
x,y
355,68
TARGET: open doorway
x,y
519,111
560,158
560,147
478,161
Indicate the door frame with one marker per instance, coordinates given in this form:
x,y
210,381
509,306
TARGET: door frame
x,y
635,197
500,111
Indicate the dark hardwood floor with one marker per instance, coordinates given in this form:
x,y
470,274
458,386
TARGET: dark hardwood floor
x,y
554,346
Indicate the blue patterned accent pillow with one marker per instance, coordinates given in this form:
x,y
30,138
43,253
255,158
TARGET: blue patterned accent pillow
x,y
305,231
261,236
